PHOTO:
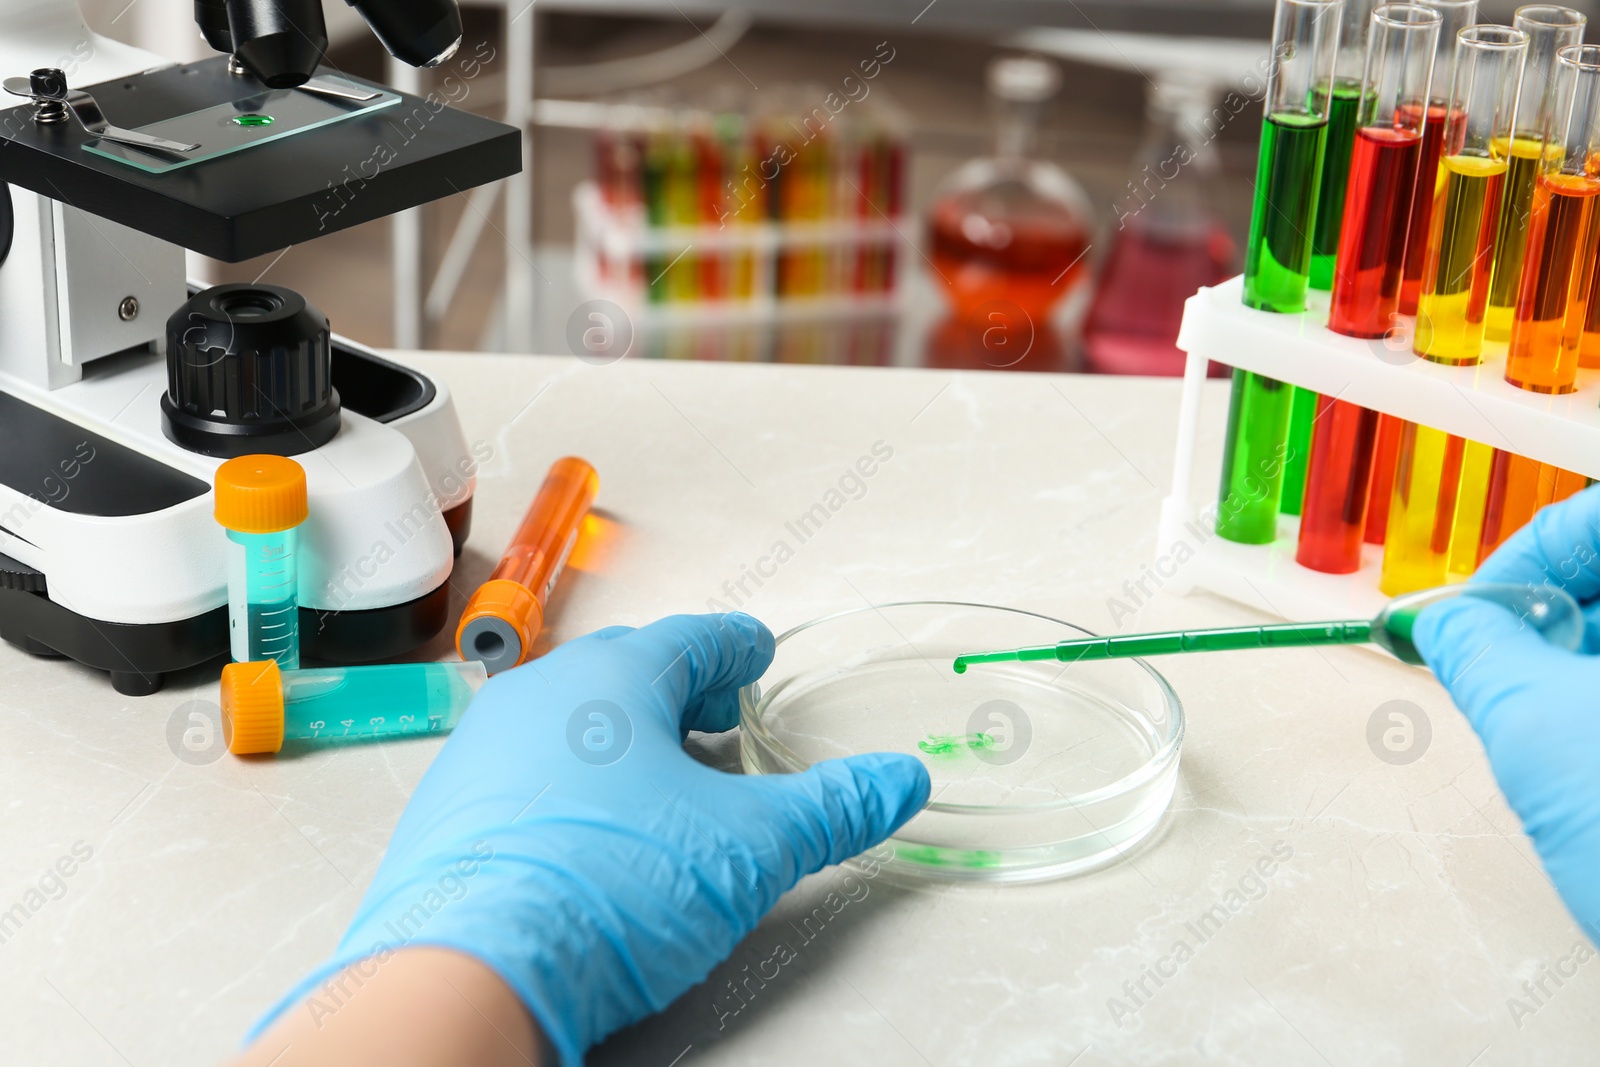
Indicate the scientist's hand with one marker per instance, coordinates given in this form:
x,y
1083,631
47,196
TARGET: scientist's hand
x,y
1536,707
564,837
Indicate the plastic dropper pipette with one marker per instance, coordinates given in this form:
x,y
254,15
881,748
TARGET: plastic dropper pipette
x,y
1548,610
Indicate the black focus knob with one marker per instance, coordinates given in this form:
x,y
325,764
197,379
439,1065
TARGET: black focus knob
x,y
49,83
248,371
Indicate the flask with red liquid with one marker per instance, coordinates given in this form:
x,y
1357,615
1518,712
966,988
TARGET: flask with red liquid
x,y
1010,228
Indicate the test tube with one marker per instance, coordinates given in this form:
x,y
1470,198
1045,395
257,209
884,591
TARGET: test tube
x,y
1471,502
1454,16
1549,30
261,501
1302,413
1252,463
1432,477
1366,288
1277,263
263,705
1422,518
1333,515
505,614
1355,20
1589,342
1563,229
1519,487
1468,194
1383,170
1384,454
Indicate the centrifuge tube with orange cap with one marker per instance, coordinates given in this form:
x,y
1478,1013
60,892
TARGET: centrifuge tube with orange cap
x,y
263,707
261,502
504,616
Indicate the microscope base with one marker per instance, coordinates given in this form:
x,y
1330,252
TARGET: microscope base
x,y
138,657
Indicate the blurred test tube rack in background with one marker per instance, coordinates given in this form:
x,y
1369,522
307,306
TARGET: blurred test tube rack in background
x,y
710,227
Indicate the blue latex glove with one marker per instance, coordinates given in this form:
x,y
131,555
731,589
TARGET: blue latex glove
x,y
602,874
1535,705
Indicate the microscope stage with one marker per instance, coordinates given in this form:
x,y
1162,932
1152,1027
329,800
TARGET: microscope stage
x,y
270,195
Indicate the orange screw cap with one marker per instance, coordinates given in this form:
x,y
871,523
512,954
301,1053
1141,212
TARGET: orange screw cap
x,y
252,707
260,494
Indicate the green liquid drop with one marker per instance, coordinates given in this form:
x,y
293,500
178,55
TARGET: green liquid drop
x,y
252,120
948,744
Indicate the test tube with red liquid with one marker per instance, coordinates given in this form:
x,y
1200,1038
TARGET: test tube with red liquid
x,y
1383,170
1454,16
1366,283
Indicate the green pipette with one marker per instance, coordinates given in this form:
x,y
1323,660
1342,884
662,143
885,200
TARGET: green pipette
x,y
1548,610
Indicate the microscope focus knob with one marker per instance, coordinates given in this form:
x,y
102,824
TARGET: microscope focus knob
x,y
249,371
48,83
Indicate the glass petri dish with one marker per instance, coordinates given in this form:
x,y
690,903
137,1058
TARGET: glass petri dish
x,y
1040,770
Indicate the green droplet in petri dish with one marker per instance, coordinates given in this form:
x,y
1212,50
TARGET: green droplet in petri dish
x,y
949,744
252,120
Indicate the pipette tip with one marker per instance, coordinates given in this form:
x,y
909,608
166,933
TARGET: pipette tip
x,y
963,662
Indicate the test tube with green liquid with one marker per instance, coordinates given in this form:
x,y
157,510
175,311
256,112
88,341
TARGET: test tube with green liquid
x,y
1277,264
1344,101
1254,457
264,706
1302,416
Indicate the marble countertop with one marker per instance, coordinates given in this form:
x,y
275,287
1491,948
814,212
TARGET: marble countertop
x,y
1361,910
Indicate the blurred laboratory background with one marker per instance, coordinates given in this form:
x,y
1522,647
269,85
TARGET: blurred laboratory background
x,y
1025,184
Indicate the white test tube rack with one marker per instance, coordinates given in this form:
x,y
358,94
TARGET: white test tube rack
x,y
1473,402
608,241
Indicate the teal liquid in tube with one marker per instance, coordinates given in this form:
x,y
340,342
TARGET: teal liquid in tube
x,y
261,502
264,707
263,599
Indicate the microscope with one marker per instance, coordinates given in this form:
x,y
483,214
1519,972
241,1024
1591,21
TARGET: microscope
x,y
123,387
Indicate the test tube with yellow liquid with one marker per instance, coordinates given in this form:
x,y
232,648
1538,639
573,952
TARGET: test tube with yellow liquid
x,y
1431,464
1549,29
1467,201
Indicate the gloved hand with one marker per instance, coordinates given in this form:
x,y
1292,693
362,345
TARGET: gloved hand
x,y
1534,705
564,837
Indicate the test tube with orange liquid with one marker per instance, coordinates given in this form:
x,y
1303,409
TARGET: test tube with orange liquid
x,y
1519,487
1563,233
504,616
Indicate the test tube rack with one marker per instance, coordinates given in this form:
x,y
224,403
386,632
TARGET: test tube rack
x,y
1474,402
613,242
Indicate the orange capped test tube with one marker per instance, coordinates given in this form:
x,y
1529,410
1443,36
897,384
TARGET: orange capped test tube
x,y
506,613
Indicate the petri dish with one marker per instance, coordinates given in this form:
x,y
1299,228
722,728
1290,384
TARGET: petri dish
x,y
1040,770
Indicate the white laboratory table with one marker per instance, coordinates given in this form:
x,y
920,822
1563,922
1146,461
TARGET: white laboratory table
x,y
1402,916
